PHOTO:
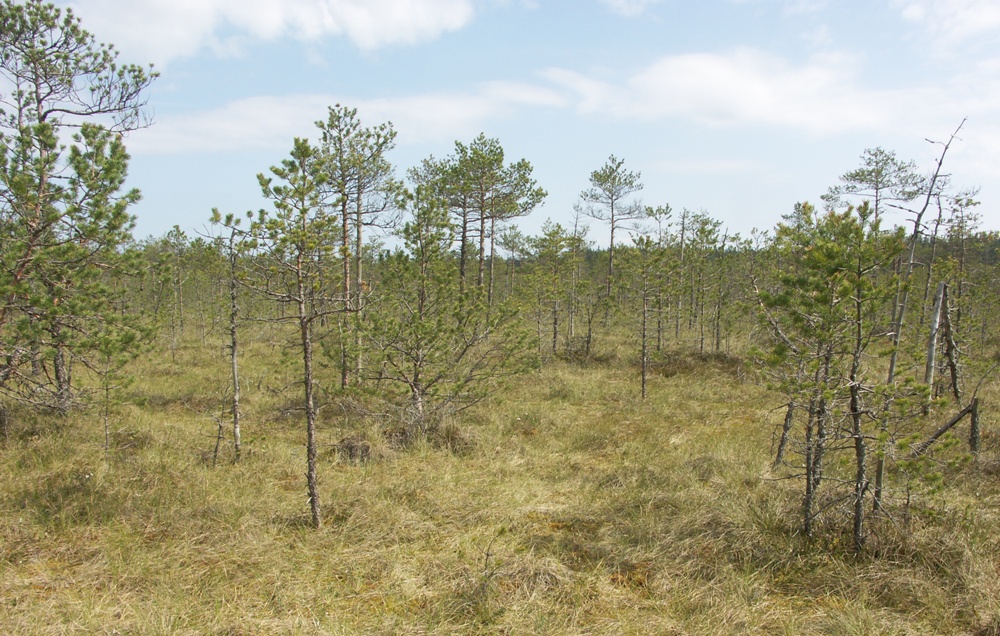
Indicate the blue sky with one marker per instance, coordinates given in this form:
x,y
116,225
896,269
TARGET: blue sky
x,y
739,108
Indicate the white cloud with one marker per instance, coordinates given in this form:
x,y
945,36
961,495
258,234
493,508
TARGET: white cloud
x,y
629,8
821,97
271,122
745,87
740,87
805,7
820,37
952,22
164,30
255,123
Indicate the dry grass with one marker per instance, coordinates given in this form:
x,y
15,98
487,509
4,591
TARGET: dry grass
x,y
565,506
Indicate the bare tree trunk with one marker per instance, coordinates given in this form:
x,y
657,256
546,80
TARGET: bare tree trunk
x,y
106,409
345,289
899,307
463,249
857,430
645,345
930,260
305,333
786,428
918,449
973,426
61,367
611,259
539,315
677,317
860,480
808,501
659,321
555,326
951,349
234,352
358,346
480,276
220,434
819,448
701,315
359,285
571,328
589,340
489,293
932,342
903,290
717,320
418,409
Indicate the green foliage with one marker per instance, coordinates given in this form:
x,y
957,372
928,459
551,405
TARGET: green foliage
x,y
63,218
829,311
610,185
443,348
883,181
481,192
357,186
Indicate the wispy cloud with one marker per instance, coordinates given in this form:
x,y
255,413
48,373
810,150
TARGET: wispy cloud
x,y
256,123
819,37
952,22
744,86
629,8
270,122
157,31
805,7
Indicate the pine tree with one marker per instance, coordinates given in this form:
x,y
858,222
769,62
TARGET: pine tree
x,y
63,217
445,347
293,244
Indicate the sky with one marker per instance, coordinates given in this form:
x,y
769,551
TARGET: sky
x,y
736,108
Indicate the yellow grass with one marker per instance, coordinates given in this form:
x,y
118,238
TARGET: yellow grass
x,y
564,506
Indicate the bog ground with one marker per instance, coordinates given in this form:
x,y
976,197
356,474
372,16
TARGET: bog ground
x,y
565,505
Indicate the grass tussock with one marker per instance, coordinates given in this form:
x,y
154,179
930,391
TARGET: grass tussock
x,y
565,505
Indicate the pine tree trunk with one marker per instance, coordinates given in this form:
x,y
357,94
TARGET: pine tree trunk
x,y
234,353
810,496
345,289
463,250
659,321
61,368
555,327
645,345
305,333
933,337
480,276
860,477
932,340
951,349
359,286
973,426
489,293
786,428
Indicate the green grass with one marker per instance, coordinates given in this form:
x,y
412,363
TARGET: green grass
x,y
564,506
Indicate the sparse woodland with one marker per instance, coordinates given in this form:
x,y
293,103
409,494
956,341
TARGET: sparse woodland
x,y
377,406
